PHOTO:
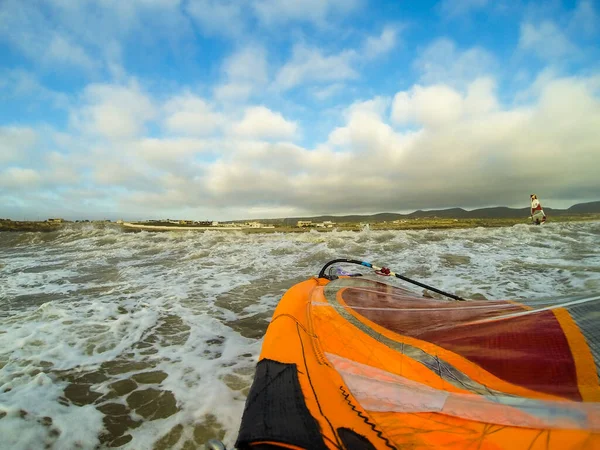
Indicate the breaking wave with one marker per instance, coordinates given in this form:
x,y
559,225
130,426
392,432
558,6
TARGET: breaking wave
x,y
149,340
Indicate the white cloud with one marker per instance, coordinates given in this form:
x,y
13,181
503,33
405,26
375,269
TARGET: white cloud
x,y
376,46
442,62
366,131
440,105
122,173
62,50
218,17
546,40
484,149
275,156
61,35
23,25
191,115
245,72
375,107
96,23
235,91
247,64
481,97
585,18
61,169
324,93
164,150
317,12
17,83
19,178
455,8
310,65
463,149
531,92
113,111
431,106
15,143
469,162
262,123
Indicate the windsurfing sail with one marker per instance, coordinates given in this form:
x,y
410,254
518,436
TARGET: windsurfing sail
x,y
352,362
537,213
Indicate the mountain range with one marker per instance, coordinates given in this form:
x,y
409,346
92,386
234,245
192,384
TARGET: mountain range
x,y
498,212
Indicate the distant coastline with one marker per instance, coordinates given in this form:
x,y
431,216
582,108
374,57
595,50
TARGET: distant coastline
x,y
500,216
429,223
149,227
496,212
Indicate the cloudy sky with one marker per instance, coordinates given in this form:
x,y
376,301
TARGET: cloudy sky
x,y
232,109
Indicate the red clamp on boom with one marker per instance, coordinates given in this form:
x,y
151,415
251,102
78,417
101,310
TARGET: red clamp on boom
x,y
383,271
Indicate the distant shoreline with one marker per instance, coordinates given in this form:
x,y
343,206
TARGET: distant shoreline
x,y
409,224
140,226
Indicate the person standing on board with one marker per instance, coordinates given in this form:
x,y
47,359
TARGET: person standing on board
x,y
537,213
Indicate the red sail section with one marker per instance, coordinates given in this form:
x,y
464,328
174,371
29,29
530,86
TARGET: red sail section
x,y
529,350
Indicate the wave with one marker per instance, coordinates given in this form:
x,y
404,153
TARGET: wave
x,y
150,339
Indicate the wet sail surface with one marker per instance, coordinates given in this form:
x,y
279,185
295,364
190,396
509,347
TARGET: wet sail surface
x,y
508,364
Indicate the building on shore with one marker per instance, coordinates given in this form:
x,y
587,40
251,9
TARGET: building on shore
x,y
325,224
55,220
304,223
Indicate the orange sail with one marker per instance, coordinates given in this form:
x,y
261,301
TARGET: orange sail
x,y
355,363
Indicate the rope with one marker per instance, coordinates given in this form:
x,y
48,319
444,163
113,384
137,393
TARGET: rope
x,y
384,271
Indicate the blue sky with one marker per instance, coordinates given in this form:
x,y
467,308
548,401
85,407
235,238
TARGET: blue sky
x,y
221,110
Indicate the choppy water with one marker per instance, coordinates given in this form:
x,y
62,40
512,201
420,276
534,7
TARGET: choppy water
x,y
149,340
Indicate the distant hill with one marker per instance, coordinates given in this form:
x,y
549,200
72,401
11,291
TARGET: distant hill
x,y
584,208
498,212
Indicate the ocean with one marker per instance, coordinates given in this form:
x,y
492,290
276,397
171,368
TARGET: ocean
x,y
149,340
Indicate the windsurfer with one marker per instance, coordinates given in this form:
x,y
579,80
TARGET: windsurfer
x,y
537,213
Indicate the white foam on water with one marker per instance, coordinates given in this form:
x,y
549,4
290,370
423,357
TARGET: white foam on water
x,y
35,419
92,307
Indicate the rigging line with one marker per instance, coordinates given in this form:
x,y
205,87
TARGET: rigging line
x,y
384,271
289,316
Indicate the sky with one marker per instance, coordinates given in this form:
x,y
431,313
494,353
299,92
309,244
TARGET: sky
x,y
241,109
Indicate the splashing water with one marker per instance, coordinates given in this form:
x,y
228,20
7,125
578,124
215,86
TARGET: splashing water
x,y
149,340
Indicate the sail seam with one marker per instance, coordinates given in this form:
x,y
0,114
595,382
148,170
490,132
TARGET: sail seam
x,y
366,419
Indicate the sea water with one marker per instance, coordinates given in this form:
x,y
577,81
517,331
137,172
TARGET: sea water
x,y
149,340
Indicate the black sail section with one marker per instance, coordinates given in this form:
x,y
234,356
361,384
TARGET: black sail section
x,y
275,410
